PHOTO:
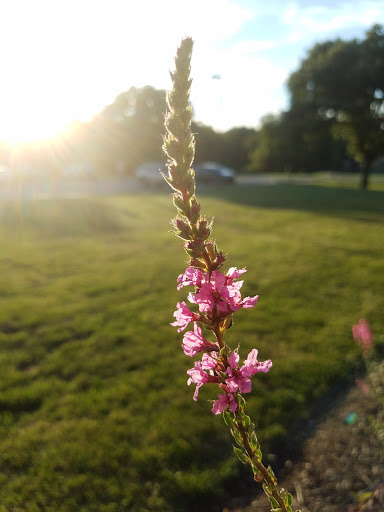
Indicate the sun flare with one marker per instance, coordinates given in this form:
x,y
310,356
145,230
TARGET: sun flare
x,y
30,127
35,115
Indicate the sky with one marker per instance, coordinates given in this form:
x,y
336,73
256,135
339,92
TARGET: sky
x,y
66,59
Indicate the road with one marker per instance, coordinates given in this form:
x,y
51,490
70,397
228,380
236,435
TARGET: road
x,y
65,187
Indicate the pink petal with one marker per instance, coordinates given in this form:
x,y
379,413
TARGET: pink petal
x,y
233,360
249,302
234,273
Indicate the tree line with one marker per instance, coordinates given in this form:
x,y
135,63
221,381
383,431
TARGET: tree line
x,y
335,121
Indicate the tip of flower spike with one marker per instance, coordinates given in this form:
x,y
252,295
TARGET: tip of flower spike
x,y
186,43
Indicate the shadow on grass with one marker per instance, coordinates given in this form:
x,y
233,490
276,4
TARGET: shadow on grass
x,y
343,202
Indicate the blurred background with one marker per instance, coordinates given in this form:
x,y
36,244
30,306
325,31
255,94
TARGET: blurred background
x,y
282,87
287,96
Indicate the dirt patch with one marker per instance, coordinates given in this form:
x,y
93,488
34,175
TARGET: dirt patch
x,y
340,467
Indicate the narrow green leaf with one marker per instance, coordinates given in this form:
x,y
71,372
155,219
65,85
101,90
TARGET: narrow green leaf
x,y
241,455
228,418
246,421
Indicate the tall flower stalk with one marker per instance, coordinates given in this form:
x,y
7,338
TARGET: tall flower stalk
x,y
215,296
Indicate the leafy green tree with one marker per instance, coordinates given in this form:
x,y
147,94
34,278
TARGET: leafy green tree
x,y
230,148
343,82
236,145
270,151
295,141
134,123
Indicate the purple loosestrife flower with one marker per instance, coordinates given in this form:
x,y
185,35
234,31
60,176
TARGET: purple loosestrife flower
x,y
214,293
209,361
191,277
252,365
363,335
194,342
221,293
223,402
198,376
184,316
236,380
239,379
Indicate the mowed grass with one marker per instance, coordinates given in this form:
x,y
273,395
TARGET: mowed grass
x,y
95,413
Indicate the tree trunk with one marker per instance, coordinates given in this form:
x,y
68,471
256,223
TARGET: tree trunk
x,y
365,167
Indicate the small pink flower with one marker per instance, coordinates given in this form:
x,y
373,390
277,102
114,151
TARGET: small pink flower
x,y
198,376
191,277
216,292
221,404
193,342
184,316
236,380
363,386
239,379
363,335
252,365
209,361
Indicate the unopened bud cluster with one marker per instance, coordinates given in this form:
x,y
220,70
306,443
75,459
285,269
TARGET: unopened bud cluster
x,y
179,146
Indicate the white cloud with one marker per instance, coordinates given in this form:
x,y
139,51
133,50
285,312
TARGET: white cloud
x,y
306,22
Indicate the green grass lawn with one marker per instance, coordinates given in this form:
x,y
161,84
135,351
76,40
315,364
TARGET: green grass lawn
x,y
95,413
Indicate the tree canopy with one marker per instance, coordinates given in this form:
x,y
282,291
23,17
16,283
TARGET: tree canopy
x,y
343,82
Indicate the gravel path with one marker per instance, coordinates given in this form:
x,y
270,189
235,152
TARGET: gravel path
x,y
338,463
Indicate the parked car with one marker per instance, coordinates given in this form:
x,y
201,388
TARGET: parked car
x,y
212,172
150,173
207,172
79,170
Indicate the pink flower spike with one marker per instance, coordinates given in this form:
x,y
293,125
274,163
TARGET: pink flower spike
x,y
191,277
221,404
184,316
363,335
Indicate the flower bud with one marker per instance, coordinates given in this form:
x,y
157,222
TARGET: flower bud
x,y
194,262
195,247
178,202
219,260
195,211
211,249
203,230
184,228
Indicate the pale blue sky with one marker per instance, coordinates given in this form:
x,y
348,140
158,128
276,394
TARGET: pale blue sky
x,y
66,59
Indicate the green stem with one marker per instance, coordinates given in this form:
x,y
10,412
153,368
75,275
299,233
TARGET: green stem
x,y
270,481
